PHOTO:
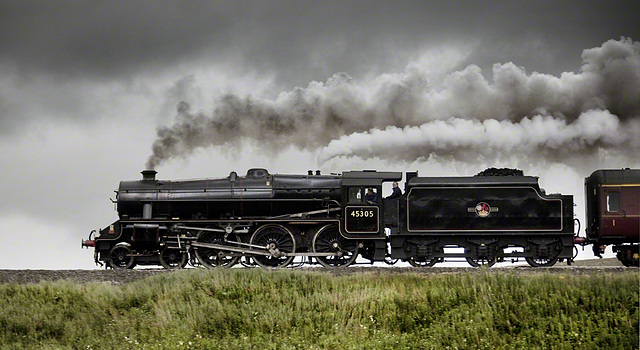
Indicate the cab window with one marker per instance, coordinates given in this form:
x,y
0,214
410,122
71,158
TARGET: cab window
x,y
371,195
363,195
355,195
613,201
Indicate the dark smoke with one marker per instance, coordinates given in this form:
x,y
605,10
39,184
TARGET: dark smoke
x,y
307,118
404,117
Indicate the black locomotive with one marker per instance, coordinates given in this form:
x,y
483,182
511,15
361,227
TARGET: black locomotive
x,y
274,220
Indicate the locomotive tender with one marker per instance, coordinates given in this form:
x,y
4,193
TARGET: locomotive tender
x,y
274,220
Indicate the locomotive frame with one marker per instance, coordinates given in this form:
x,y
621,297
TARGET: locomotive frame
x,y
275,221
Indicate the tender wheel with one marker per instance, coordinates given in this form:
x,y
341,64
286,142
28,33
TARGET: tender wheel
x,y
540,262
545,257
329,240
389,261
173,259
120,257
422,262
280,240
477,262
213,258
416,254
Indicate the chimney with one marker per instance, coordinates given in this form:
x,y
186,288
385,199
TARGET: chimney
x,y
149,175
317,172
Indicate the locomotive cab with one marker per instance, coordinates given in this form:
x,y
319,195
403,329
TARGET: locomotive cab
x,y
363,204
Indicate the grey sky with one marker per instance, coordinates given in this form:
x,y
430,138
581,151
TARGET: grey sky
x,y
84,85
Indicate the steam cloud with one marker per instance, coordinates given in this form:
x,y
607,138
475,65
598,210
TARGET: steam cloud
x,y
404,117
468,140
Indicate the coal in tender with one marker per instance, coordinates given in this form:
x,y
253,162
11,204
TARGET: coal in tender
x,y
500,172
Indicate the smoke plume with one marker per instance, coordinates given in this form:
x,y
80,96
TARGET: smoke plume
x,y
468,140
405,117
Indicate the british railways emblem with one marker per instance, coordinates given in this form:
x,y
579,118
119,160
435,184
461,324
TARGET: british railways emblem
x,y
483,209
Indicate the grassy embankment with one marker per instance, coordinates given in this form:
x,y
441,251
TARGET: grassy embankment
x,y
257,309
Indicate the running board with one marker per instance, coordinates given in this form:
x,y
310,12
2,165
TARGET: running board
x,y
209,229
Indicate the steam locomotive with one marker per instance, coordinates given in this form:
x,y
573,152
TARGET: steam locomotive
x,y
275,220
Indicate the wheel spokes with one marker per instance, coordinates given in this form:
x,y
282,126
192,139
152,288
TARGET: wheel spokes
x,y
280,239
213,258
120,257
329,240
173,258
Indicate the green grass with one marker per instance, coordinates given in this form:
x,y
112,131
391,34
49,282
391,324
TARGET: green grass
x,y
257,309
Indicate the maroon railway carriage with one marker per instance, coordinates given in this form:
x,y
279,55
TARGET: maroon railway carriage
x,y
613,212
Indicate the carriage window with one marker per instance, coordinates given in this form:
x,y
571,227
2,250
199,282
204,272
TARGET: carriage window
x,y
613,201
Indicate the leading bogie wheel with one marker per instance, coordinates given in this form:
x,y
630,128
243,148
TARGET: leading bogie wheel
x,y
214,258
279,240
173,258
329,240
120,257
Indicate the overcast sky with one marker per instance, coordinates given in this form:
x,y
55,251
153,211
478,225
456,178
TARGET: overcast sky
x,y
84,87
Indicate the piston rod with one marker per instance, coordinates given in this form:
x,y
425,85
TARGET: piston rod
x,y
253,251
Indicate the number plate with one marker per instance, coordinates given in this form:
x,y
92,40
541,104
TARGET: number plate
x,y
362,219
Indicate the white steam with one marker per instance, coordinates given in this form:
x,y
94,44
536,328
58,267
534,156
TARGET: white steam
x,y
472,140
405,117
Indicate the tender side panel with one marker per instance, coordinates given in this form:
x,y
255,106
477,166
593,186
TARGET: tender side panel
x,y
481,209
